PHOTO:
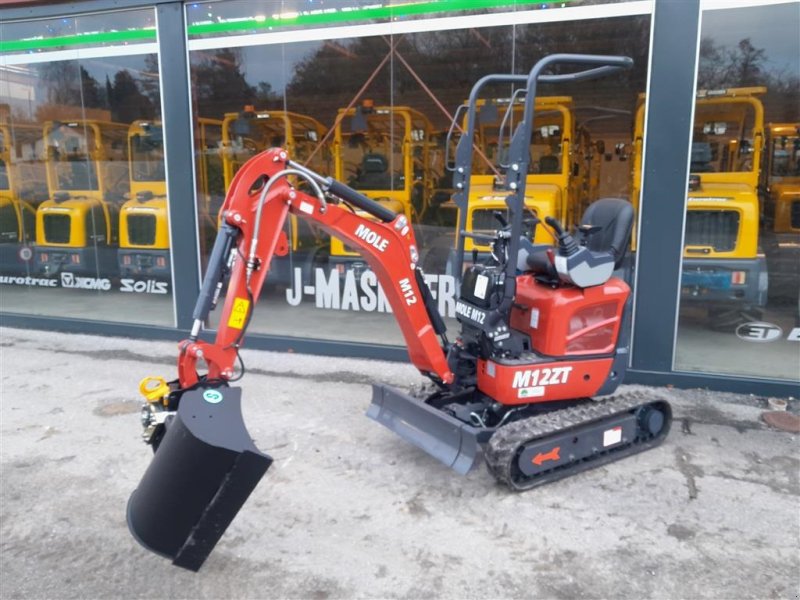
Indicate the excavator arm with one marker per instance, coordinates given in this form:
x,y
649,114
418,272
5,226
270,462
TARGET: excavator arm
x,y
259,200
205,463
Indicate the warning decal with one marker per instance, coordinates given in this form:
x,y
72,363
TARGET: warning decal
x,y
239,313
612,436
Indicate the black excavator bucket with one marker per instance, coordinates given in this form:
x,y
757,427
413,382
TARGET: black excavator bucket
x,y
202,473
444,437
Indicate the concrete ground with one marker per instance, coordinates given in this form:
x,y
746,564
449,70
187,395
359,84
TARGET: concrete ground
x,y
350,510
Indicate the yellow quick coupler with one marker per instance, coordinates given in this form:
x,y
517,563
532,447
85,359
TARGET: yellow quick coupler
x,y
154,389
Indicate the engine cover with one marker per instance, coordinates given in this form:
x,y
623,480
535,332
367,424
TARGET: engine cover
x,y
569,321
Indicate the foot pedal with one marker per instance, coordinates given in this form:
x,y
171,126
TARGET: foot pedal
x,y
205,468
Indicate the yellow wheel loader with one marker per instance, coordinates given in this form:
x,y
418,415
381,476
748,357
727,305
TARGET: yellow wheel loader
x,y
245,134
22,188
143,219
724,266
87,179
383,152
780,188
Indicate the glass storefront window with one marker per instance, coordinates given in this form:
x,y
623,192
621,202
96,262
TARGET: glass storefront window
x,y
740,286
85,226
372,107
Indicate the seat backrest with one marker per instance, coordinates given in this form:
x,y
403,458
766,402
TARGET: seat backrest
x,y
374,163
614,217
701,158
374,173
549,164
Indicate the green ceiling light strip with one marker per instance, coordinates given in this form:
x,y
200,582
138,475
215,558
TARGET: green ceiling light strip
x,y
358,14
80,39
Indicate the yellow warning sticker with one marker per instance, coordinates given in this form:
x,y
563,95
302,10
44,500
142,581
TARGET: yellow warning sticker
x,y
239,313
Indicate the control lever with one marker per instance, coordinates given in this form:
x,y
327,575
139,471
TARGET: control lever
x,y
567,246
577,264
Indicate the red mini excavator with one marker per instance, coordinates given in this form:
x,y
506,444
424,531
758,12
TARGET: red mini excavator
x,y
543,329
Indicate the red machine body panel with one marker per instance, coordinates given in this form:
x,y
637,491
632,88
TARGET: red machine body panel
x,y
531,383
569,321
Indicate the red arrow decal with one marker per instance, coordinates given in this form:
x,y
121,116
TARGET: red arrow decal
x,y
542,457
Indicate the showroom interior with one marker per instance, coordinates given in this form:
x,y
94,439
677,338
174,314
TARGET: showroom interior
x,y
123,124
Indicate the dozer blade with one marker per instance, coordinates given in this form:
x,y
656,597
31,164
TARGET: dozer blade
x,y
202,473
444,437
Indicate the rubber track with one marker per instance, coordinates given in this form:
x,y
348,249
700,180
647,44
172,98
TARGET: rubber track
x,y
503,448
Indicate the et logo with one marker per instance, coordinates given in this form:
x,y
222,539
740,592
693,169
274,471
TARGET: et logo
x,y
759,332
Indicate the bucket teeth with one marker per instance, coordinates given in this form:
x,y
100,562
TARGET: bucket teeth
x,y
442,436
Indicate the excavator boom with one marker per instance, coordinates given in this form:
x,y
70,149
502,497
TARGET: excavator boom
x,y
386,241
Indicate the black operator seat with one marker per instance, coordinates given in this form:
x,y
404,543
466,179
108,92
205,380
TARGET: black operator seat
x,y
614,218
549,164
374,173
605,230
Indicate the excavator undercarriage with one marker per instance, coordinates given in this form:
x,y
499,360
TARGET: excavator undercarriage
x,y
529,445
